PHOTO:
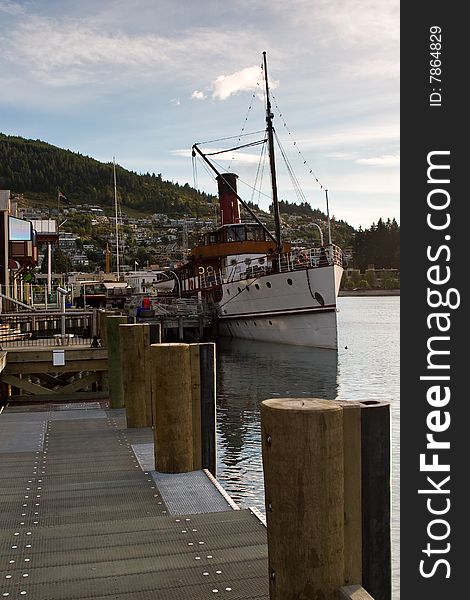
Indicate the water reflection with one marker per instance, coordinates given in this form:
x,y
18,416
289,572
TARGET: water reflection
x,y
249,372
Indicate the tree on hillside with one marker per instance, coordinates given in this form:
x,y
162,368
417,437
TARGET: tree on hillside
x,y
378,246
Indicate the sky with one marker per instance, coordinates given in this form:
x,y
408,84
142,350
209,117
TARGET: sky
x,y
143,80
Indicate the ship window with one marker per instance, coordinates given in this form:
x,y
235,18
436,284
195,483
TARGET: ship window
x,y
270,322
247,288
255,233
246,323
228,291
254,323
289,281
236,234
238,324
268,284
256,286
239,290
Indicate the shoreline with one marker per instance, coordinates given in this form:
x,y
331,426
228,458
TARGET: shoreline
x,y
369,293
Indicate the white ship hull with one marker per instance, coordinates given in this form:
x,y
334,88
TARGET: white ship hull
x,y
297,307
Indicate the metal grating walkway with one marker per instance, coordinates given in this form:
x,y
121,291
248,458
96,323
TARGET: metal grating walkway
x,y
80,519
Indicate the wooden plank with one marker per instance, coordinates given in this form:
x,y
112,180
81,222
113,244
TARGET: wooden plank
x,y
48,367
353,592
28,355
54,381
79,384
24,384
75,397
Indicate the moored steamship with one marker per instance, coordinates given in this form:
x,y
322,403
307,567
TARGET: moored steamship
x,y
260,287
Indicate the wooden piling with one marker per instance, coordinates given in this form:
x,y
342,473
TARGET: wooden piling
x,y
116,394
302,443
208,407
134,344
155,333
203,380
352,492
172,406
102,328
180,329
103,336
195,359
376,533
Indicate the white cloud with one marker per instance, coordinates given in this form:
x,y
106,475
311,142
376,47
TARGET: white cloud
x,y
11,8
198,95
250,78
387,160
175,101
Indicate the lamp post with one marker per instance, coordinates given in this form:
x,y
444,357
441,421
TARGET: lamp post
x,y
179,282
321,233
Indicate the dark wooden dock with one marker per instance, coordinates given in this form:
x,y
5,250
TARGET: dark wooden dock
x,y
84,515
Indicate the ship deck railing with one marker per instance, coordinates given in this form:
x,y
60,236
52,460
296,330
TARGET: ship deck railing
x,y
313,257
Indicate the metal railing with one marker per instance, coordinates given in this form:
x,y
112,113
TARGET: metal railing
x,y
292,261
34,296
177,306
51,328
314,257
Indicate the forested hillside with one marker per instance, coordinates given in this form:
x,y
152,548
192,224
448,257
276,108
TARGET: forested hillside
x,y
40,169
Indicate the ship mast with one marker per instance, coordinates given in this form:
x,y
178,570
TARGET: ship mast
x,y
116,217
272,164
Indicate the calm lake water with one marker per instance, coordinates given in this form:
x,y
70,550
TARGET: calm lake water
x,y
365,367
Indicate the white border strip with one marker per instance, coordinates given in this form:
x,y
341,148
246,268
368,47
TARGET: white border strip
x,y
221,490
259,515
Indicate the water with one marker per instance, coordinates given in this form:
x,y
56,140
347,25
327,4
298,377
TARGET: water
x,y
365,367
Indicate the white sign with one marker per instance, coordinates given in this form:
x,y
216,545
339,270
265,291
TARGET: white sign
x,y
58,358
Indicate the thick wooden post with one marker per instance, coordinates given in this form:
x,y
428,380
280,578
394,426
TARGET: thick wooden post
x,y
304,489
155,333
376,536
134,344
116,394
102,328
203,380
352,492
180,329
103,336
208,407
194,351
173,407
